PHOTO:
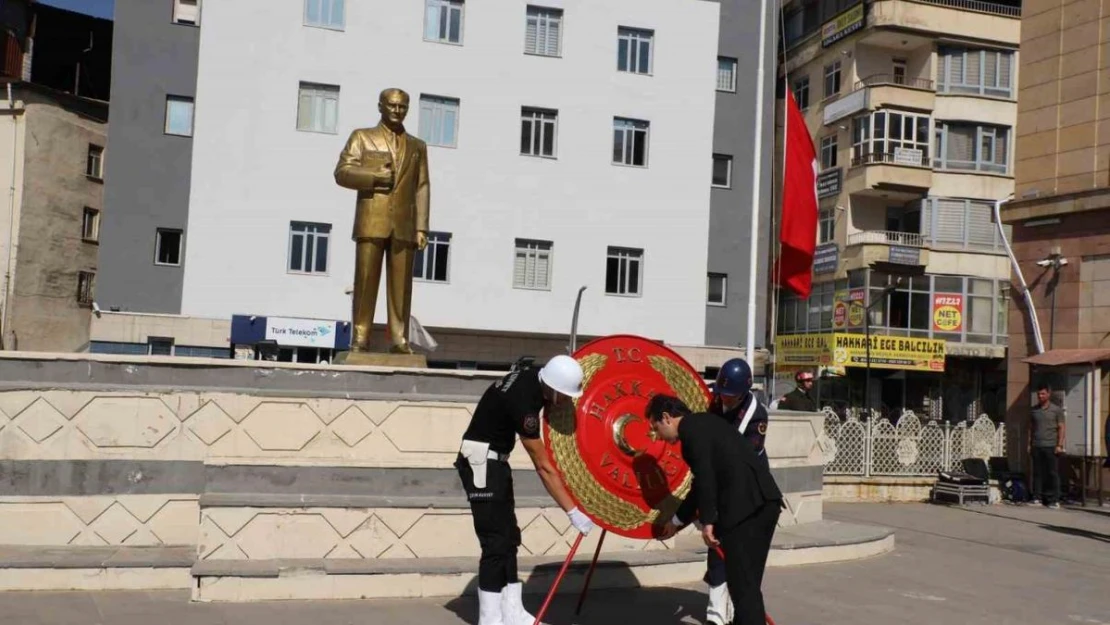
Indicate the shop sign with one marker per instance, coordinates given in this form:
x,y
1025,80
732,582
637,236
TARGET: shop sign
x,y
850,350
900,255
826,258
828,182
842,25
856,307
948,312
301,332
840,310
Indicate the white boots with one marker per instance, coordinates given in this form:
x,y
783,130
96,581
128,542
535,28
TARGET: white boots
x,y
719,610
504,608
512,606
489,608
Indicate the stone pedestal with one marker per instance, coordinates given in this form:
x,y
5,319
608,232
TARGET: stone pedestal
x,y
375,359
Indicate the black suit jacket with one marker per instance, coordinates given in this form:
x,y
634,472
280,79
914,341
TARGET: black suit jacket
x,y
731,483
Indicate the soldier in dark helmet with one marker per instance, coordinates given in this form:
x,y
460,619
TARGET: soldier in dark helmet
x,y
734,401
801,398
510,408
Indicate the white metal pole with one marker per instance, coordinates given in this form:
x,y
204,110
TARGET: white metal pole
x,y
757,167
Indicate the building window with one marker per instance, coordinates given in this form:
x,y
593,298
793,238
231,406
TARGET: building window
x,y
538,132
890,137
325,13
94,163
716,289
979,72
801,92
907,307
186,12
832,80
726,74
179,116
634,50
439,121
443,21
90,225
431,264
167,247
308,247
624,271
160,346
85,281
980,309
630,142
899,67
543,31
826,225
972,147
828,152
722,171
532,264
317,107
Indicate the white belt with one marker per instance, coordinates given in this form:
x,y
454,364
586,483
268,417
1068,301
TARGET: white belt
x,y
493,455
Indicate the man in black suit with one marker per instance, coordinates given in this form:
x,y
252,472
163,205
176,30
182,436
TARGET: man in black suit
x,y
734,498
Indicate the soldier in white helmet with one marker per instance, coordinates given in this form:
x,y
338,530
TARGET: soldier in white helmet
x,y
509,408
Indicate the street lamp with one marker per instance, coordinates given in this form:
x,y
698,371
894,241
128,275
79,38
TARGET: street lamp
x,y
867,342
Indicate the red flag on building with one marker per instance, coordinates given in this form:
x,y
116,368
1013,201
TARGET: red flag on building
x,y
798,236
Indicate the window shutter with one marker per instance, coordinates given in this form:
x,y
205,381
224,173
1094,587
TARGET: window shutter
x,y
554,26
1000,146
980,226
188,11
543,269
973,73
520,268
950,221
990,69
1005,69
330,111
955,68
304,110
961,144
531,35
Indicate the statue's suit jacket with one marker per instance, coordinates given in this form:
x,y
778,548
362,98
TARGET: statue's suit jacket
x,y
399,213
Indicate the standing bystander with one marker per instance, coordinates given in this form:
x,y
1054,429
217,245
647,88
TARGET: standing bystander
x,y
1046,441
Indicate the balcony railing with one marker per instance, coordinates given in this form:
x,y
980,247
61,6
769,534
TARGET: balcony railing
x,y
978,6
875,80
913,158
886,237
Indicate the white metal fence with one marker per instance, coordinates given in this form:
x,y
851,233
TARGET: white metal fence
x,y
907,448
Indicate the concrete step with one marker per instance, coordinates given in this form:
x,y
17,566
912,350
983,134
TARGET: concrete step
x,y
95,568
357,578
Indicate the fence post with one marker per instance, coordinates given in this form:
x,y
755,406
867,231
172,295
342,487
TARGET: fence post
x,y
946,455
867,451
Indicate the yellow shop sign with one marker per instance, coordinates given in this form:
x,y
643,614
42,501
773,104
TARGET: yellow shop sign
x,y
850,350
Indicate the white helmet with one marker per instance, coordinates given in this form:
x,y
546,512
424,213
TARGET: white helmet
x,y
563,374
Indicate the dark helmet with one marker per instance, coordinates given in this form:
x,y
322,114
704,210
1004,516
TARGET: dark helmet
x,y
734,379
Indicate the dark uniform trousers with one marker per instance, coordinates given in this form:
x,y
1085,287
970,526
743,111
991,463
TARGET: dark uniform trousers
x,y
494,512
746,546
715,571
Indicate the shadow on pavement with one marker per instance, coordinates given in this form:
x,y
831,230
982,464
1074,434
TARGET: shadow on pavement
x,y
626,604
1075,531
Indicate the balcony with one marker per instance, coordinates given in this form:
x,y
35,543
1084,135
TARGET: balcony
x,y
889,90
885,246
901,175
970,19
887,237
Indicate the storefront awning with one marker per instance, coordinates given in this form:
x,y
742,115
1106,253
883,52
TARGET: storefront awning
x,y
1060,357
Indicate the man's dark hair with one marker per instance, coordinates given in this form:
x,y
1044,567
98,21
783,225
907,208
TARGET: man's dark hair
x,y
1044,386
659,404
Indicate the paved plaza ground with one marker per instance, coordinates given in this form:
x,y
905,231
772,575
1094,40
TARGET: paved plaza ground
x,y
997,565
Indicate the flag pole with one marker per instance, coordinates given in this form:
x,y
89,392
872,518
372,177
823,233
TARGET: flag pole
x,y
757,186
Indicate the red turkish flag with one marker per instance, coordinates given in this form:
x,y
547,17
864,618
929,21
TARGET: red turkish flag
x,y
798,236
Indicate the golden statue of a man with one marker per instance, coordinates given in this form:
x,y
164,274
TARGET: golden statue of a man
x,y
389,169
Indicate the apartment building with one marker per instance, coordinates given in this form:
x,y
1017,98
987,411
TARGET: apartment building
x,y
565,145
912,108
1060,216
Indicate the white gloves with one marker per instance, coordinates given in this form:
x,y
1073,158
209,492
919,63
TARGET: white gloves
x,y
580,521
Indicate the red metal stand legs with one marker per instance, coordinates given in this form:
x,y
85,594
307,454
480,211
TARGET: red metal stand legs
x,y
590,573
558,579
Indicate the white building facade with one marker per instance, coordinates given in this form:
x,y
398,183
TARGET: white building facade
x,y
570,145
